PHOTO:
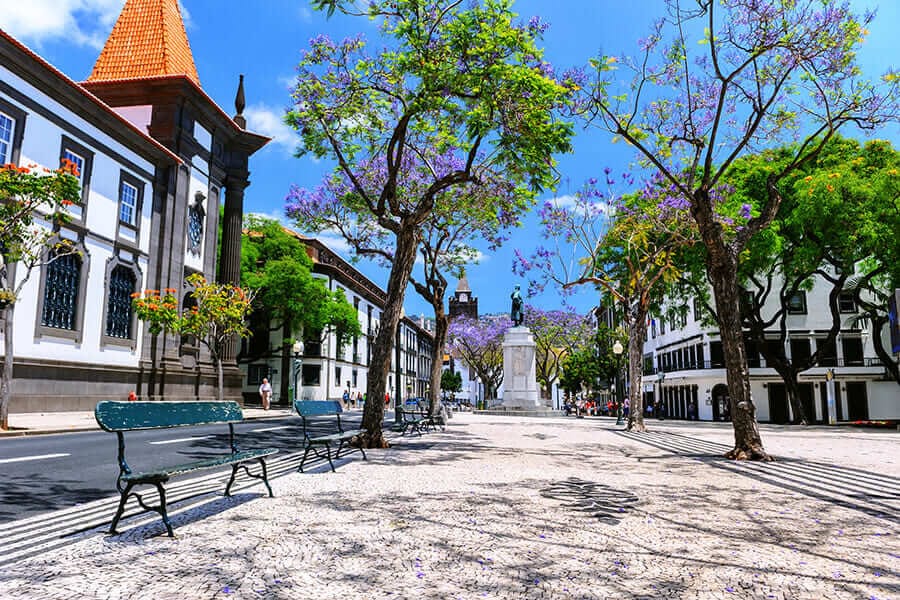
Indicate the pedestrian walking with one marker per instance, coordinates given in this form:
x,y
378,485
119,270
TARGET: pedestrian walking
x,y
265,393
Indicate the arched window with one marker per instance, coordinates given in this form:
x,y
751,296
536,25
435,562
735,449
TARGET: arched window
x,y
118,304
61,290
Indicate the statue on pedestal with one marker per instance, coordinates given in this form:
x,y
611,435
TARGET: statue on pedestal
x,y
517,313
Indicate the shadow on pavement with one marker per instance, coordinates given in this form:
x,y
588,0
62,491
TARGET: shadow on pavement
x,y
871,493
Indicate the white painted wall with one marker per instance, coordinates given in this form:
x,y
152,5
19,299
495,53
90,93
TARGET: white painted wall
x,y
41,146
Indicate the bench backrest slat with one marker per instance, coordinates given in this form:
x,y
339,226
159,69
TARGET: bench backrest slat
x,y
313,408
125,416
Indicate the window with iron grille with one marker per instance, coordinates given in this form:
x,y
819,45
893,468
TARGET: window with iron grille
x,y
118,306
61,292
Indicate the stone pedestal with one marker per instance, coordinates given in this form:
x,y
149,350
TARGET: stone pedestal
x,y
520,389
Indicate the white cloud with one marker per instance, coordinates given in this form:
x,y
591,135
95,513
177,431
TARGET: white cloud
x,y
287,81
336,242
305,15
81,22
571,202
269,122
567,201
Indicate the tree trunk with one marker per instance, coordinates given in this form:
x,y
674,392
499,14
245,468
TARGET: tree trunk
x,y
220,378
287,367
637,331
877,325
380,365
793,393
441,326
722,272
6,376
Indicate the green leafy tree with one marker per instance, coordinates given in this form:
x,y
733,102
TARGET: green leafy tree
x,y
591,361
461,96
451,382
762,72
810,243
218,314
275,265
557,333
32,204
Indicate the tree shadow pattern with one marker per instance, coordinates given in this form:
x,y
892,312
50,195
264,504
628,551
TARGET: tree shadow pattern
x,y
874,494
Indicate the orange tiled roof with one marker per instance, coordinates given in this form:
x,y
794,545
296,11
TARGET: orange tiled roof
x,y
148,40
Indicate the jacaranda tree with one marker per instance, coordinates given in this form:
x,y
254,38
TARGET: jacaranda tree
x,y
557,334
625,246
714,81
458,96
479,343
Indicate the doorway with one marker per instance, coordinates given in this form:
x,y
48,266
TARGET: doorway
x,y
778,404
721,403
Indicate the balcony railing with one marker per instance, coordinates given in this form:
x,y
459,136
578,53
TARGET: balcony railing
x,y
760,364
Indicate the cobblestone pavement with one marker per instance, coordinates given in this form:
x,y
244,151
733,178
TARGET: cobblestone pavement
x,y
502,507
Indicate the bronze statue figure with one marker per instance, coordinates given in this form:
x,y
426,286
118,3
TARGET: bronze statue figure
x,y
517,314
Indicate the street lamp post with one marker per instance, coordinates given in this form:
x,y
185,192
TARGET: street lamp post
x,y
298,363
617,350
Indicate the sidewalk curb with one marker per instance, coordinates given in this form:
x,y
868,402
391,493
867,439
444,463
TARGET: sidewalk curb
x,y
80,429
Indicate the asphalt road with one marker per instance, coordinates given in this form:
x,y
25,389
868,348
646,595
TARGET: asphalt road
x,y
41,474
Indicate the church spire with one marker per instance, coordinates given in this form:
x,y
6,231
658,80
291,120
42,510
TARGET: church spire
x,y
148,40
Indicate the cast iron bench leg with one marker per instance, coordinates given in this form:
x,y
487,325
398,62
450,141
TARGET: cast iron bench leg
x,y
162,509
121,509
328,456
363,452
305,454
265,476
234,470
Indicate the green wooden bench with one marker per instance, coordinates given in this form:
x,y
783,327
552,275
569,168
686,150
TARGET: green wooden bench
x,y
413,420
314,411
119,417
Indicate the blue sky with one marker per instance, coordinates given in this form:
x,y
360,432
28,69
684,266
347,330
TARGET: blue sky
x,y
263,40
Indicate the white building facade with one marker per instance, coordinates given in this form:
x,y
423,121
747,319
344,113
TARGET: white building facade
x,y
73,319
684,367
325,370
